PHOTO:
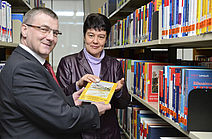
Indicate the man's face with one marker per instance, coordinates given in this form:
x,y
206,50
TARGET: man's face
x,y
38,41
95,41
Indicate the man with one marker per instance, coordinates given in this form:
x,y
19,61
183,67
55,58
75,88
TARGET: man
x,y
32,104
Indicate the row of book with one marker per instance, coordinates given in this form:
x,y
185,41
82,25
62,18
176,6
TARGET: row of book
x,y
203,58
140,123
35,3
186,18
10,23
166,84
140,26
175,84
5,22
176,18
110,6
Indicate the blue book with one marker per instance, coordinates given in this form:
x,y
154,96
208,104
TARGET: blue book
x,y
185,17
175,18
155,132
150,20
170,18
143,114
195,78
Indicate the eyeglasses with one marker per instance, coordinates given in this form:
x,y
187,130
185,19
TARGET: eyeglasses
x,y
46,29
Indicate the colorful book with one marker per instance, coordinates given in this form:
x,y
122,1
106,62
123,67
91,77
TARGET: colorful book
x,y
98,92
195,78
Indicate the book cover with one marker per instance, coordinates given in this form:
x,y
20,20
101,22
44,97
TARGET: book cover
x,y
152,81
98,92
195,78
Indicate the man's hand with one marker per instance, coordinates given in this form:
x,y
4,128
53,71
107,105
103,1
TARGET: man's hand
x,y
76,96
120,84
102,107
87,78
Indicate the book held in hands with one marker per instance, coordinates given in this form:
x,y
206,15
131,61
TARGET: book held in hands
x,y
98,92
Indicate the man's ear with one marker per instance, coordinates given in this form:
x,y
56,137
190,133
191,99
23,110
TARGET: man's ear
x,y
24,30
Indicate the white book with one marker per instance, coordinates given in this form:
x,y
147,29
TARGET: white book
x,y
0,20
128,73
167,12
194,21
4,20
132,76
142,25
9,26
131,29
147,23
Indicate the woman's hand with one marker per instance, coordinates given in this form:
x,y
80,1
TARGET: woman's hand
x,y
120,84
87,78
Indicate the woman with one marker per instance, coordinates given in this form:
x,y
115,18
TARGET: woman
x,y
91,65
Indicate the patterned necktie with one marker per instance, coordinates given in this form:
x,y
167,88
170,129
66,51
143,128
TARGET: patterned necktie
x,y
50,69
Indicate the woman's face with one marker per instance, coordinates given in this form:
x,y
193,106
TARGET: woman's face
x,y
95,41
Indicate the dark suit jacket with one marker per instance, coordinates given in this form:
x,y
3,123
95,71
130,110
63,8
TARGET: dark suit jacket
x,y
71,68
33,106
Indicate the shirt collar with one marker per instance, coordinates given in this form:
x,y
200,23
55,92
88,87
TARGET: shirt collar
x,y
39,58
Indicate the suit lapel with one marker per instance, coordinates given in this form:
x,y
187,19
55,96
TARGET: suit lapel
x,y
55,87
26,54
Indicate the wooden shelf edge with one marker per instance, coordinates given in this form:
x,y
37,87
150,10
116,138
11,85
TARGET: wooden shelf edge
x,y
6,44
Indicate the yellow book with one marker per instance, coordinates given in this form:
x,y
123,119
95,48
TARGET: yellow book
x,y
144,23
198,17
99,10
98,92
204,16
123,31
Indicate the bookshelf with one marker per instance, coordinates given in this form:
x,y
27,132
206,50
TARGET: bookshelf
x,y
200,42
125,9
153,106
18,6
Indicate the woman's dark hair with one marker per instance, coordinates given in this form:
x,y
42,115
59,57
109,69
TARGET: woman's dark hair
x,y
98,22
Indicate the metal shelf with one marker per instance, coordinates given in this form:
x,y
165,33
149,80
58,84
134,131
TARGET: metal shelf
x,y
201,41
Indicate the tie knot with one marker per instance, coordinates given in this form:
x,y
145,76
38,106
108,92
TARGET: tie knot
x,y
50,70
46,64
